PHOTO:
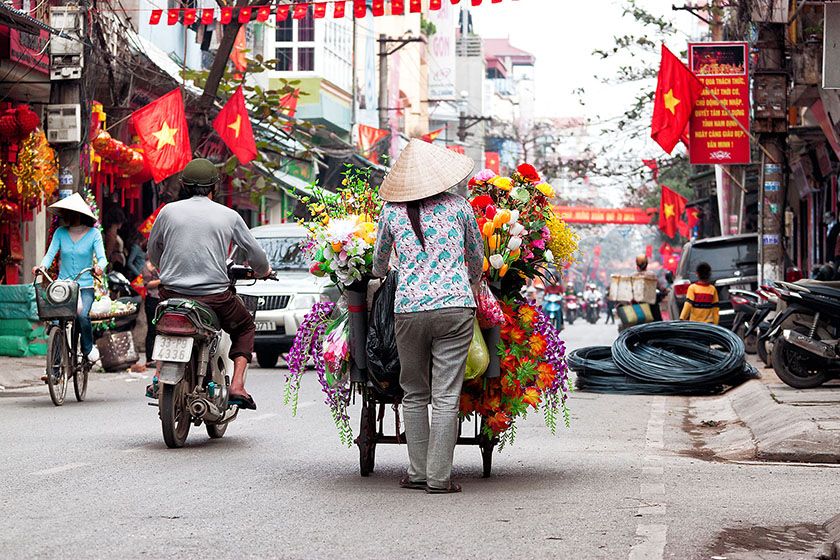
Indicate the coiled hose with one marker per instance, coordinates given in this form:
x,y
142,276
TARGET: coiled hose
x,y
665,358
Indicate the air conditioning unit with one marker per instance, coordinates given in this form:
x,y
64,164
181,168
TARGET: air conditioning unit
x,y
64,123
66,55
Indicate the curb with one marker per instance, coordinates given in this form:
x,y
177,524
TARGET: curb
x,y
831,549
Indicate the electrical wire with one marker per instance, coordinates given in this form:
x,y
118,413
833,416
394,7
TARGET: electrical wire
x,y
664,358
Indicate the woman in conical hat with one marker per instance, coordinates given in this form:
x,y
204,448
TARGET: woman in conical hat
x,y
76,242
439,258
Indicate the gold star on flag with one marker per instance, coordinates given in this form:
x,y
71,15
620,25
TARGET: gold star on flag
x,y
165,136
669,211
236,125
671,102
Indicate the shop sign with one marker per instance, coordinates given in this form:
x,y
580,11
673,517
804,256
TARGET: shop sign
x,y
590,215
27,49
716,138
770,239
441,49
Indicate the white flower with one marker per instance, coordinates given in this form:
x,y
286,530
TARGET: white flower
x,y
514,243
517,230
496,261
514,216
549,256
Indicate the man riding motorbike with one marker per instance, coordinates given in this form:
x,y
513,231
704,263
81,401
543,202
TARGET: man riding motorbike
x,y
189,245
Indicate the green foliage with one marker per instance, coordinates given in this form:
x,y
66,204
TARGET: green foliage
x,y
427,27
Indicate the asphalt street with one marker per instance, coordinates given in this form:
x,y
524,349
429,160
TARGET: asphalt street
x,y
94,480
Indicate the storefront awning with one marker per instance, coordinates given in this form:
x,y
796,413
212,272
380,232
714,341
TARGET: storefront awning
x,y
289,183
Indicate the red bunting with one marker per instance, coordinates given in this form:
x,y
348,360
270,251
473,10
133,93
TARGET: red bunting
x,y
414,6
377,7
207,16
359,8
338,12
154,19
397,7
172,16
263,13
244,15
282,12
227,15
189,16
319,10
434,4
300,11
476,2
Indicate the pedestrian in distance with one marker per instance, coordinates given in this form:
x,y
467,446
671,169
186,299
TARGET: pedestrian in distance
x,y
439,260
701,300
151,281
77,242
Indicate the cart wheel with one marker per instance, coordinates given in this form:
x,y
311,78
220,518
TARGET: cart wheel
x,y
367,438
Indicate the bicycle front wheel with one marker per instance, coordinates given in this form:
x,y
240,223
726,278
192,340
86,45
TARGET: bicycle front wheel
x,y
57,365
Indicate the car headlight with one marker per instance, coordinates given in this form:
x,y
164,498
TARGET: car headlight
x,y
303,301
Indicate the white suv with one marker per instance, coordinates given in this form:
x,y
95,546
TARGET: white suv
x,y
282,305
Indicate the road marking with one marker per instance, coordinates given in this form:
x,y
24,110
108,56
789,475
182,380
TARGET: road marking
x,y
55,470
652,537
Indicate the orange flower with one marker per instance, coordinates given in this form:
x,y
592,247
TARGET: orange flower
x,y
531,397
486,265
499,422
509,363
517,335
488,229
503,270
527,314
545,376
538,344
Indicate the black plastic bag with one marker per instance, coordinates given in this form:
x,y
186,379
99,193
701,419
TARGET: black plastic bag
x,y
383,358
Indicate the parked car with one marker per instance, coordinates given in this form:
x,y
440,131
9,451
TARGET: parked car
x,y
734,262
281,305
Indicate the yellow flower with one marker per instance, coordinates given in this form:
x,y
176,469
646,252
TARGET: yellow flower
x,y
486,265
493,242
563,242
546,189
503,183
488,229
503,270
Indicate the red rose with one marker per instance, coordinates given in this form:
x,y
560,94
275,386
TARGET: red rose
x,y
528,172
481,201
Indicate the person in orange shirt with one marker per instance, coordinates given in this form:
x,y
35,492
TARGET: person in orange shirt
x,y
701,301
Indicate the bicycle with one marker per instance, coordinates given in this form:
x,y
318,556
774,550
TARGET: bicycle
x,y
58,303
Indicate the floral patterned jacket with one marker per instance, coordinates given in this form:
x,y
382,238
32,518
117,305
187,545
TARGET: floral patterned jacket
x,y
440,276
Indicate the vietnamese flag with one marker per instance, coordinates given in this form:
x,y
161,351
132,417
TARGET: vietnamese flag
x,y
162,128
491,162
671,208
369,137
234,126
677,90
432,136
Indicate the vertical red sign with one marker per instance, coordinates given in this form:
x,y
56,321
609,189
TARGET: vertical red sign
x,y
716,137
27,49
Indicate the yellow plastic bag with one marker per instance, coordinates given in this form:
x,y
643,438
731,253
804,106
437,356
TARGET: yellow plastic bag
x,y
478,357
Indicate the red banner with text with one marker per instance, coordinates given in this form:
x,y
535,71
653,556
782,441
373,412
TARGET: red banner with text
x,y
716,136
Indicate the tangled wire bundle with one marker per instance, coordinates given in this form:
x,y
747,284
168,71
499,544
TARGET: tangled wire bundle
x,y
669,358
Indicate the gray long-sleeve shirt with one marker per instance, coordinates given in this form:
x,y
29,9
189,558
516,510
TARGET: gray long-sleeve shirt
x,y
190,242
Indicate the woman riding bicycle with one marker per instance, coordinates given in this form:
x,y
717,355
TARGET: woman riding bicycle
x,y
77,241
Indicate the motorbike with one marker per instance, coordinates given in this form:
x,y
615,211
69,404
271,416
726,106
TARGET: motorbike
x,y
759,324
806,334
570,302
745,304
553,307
194,371
593,308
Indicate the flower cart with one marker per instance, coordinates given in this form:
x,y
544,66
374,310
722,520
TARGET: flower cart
x,y
523,240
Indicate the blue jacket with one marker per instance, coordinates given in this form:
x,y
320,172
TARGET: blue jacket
x,y
76,255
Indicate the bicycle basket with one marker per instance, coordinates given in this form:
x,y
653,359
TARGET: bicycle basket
x,y
57,300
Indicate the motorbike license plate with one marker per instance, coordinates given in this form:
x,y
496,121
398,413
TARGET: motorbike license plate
x,y
172,348
266,325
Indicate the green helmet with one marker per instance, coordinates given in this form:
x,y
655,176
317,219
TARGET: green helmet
x,y
200,173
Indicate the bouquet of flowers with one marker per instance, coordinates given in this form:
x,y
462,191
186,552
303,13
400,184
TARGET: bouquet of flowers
x,y
518,224
533,375
342,231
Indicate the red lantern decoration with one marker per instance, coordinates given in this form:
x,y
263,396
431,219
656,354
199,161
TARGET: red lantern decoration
x,y
9,126
27,120
100,143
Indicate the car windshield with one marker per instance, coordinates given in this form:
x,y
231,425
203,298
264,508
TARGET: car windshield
x,y
285,253
726,259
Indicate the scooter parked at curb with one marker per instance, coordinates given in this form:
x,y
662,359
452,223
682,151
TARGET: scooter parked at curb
x,y
806,335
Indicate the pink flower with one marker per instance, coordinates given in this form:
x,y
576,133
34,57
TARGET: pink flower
x,y
484,175
538,244
545,233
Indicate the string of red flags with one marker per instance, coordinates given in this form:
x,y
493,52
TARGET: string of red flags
x,y
298,10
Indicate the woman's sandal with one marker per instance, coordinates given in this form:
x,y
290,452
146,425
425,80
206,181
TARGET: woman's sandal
x,y
453,488
406,482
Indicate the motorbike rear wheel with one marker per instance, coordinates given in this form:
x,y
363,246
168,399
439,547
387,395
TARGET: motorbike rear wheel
x,y
761,349
216,431
797,367
175,417
750,342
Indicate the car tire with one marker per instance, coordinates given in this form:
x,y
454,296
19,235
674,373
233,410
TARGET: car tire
x,y
267,358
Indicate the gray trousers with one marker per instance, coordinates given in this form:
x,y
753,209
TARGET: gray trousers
x,y
440,339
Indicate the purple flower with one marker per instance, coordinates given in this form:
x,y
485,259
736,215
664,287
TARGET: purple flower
x,y
484,175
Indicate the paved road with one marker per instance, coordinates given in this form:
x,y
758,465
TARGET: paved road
x,y
94,480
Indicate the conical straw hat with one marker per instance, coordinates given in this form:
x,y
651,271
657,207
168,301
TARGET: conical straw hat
x,y
423,170
73,203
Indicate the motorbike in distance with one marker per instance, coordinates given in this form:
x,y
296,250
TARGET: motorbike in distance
x,y
806,334
553,307
572,307
593,308
194,372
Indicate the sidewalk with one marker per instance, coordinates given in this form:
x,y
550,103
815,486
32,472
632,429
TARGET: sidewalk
x,y
21,372
769,421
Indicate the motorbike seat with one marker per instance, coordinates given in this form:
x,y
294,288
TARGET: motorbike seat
x,y
206,315
822,289
809,283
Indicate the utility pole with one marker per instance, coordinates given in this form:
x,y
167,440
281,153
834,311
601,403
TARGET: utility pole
x,y
384,53
770,86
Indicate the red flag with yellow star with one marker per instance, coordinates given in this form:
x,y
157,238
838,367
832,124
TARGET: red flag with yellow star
x,y
671,208
234,126
677,90
162,128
